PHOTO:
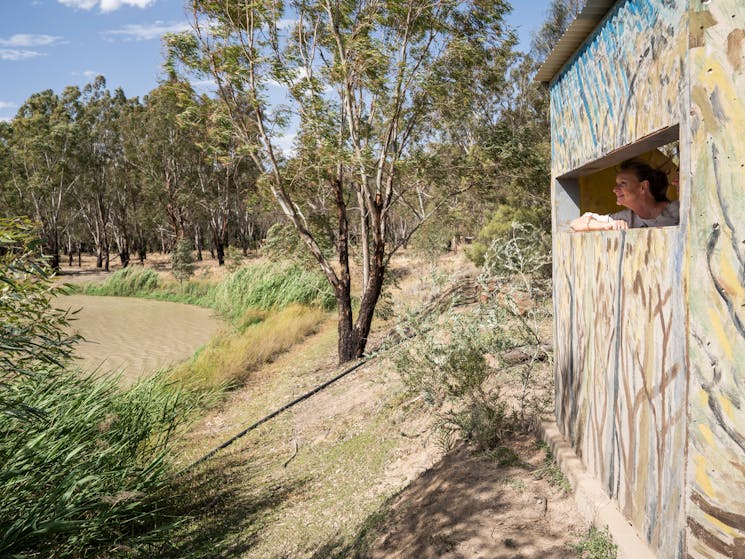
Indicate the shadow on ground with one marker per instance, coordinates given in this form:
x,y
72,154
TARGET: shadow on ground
x,y
465,507
226,505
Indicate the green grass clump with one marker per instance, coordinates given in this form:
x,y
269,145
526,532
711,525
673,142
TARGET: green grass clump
x,y
551,472
132,281
261,287
597,544
89,473
270,286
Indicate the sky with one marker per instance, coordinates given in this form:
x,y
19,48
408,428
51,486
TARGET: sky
x,y
50,44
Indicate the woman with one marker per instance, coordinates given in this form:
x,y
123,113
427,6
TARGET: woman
x,y
642,190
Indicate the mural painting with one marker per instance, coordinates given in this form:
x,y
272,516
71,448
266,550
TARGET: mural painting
x,y
716,340
621,380
622,85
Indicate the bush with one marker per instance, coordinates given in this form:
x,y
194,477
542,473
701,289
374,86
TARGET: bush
x,y
463,363
453,376
498,229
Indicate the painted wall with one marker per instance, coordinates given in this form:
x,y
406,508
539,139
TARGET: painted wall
x,y
650,324
621,376
716,260
620,297
622,85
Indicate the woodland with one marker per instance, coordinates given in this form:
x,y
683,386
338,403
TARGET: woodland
x,y
412,122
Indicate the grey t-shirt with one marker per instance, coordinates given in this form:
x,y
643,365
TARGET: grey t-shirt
x,y
669,216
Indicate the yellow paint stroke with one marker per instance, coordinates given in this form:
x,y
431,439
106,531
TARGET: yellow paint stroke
x,y
721,525
717,331
729,279
702,476
706,434
726,407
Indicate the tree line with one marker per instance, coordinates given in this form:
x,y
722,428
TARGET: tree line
x,y
104,173
408,115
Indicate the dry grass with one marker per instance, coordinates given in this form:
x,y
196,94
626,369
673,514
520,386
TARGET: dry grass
x,y
230,358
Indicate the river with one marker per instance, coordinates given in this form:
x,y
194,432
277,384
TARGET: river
x,y
136,336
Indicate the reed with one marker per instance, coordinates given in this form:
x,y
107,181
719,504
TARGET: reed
x,y
263,287
271,286
92,470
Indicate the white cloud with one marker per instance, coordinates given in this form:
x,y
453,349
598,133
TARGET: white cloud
x,y
26,40
105,5
111,5
300,74
79,4
286,23
210,84
145,32
6,118
90,74
15,54
7,105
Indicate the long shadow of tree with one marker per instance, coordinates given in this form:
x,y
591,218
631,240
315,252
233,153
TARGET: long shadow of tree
x,y
226,505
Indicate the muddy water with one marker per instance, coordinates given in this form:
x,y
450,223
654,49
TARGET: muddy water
x,y
137,336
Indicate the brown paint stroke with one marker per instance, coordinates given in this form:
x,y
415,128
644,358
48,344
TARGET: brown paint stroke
x,y
734,48
736,521
702,100
700,21
736,550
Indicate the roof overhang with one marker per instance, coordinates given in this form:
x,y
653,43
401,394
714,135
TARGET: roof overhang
x,y
576,34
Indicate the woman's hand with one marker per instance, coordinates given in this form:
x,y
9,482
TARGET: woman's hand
x,y
589,222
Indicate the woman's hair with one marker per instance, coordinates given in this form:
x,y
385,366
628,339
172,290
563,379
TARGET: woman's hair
x,y
656,178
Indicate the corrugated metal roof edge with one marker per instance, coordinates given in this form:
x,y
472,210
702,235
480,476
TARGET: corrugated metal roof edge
x,y
576,34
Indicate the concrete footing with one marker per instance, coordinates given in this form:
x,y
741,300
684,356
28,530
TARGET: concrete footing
x,y
593,503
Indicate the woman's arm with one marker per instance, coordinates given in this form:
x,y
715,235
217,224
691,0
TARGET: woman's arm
x,y
595,222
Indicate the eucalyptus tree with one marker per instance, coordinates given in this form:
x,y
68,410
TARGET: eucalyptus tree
x,y
225,176
165,156
44,139
362,78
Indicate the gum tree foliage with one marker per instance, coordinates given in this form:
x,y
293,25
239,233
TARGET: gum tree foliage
x,y
363,79
32,334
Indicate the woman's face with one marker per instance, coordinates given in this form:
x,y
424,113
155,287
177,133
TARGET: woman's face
x,y
629,190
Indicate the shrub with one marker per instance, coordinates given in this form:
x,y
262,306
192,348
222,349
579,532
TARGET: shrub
x,y
453,376
498,228
182,264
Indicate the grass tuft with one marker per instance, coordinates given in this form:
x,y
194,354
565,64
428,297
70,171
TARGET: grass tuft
x,y
230,358
597,544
